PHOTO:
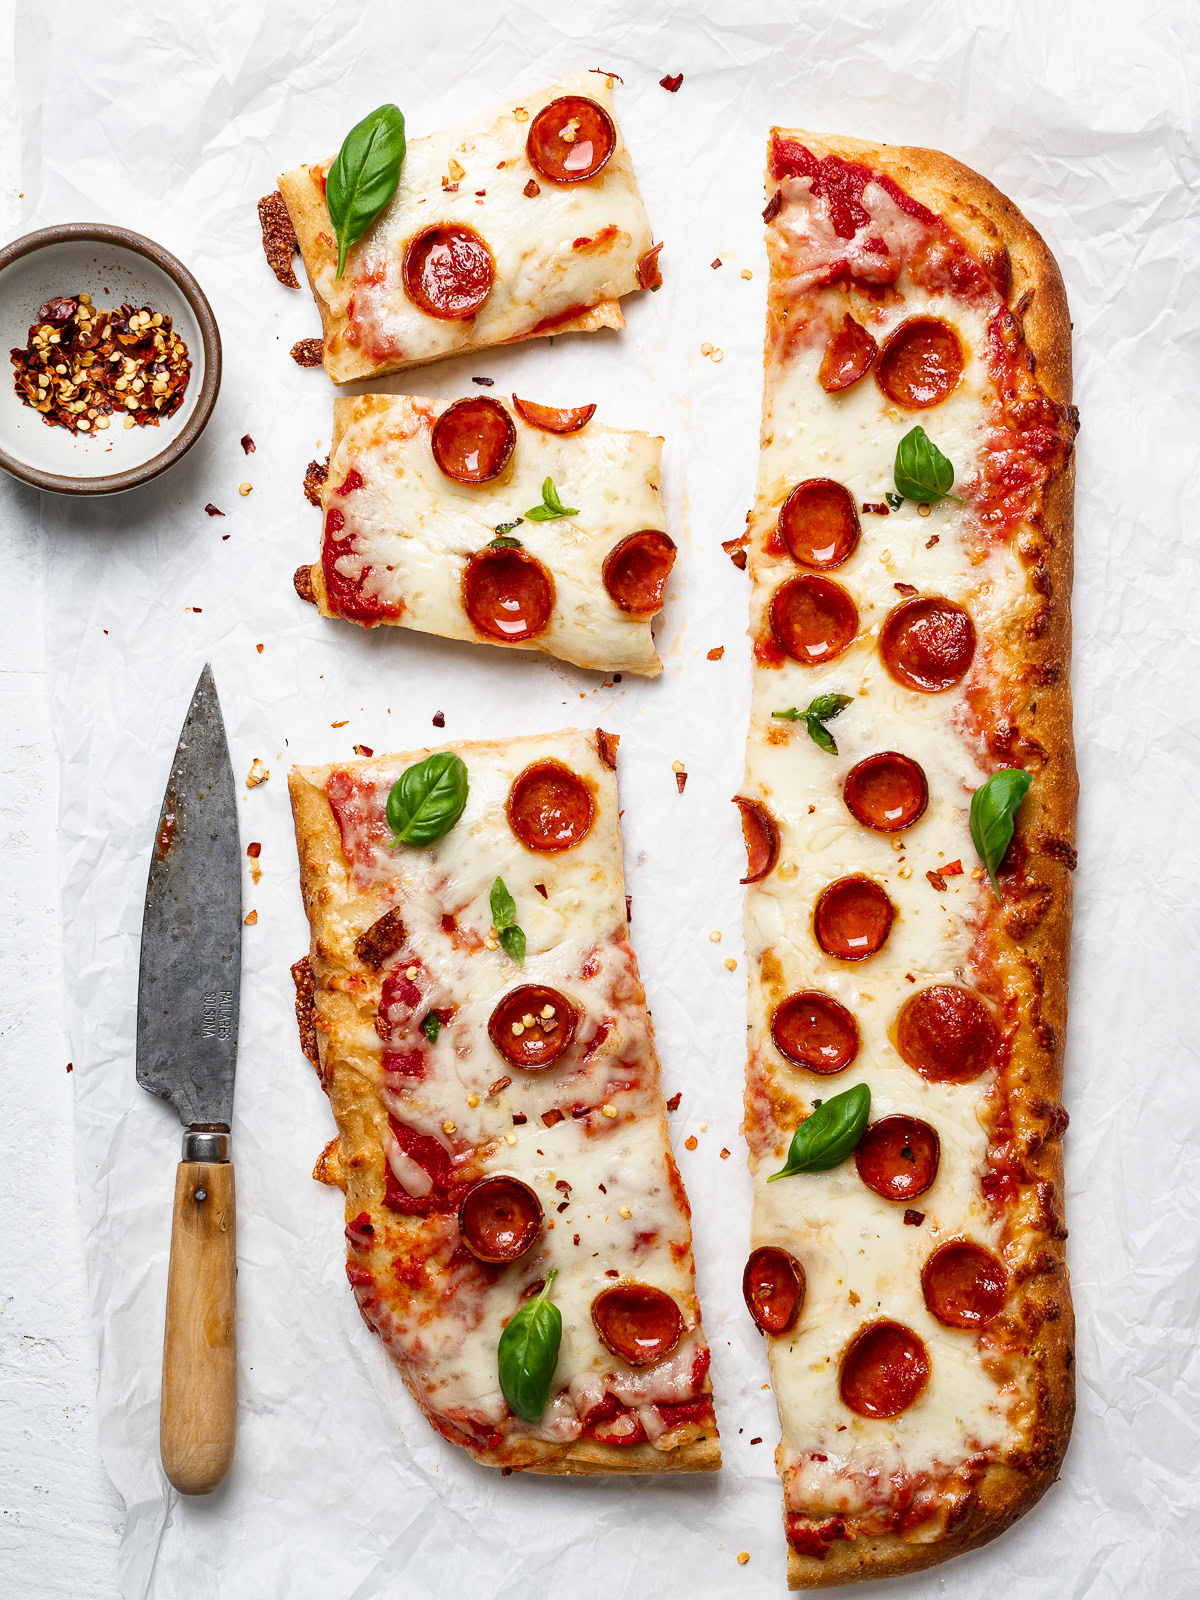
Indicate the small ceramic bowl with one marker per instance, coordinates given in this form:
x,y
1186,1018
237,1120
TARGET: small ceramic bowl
x,y
113,265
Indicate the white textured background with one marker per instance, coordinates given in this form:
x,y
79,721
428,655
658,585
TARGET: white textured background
x,y
173,122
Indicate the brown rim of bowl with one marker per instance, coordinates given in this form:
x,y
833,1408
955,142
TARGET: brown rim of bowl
x,y
133,477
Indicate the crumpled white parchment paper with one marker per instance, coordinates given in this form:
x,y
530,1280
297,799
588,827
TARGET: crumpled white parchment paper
x,y
174,120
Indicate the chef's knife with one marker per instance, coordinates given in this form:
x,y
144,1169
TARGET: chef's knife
x,y
187,1029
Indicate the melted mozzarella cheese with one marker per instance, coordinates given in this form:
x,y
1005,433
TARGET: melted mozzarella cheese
x,y
416,528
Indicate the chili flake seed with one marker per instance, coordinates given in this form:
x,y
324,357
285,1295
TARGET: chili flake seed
x,y
746,273
690,1142
609,1111
472,1101
743,1557
731,963
625,1212
257,774
706,349
510,1138
924,510
715,936
904,872
244,489
449,1127
677,766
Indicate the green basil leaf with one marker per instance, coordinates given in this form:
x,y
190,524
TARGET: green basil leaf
x,y
819,712
820,735
551,506
505,543
507,527
831,1134
504,907
428,799
790,715
431,1026
364,176
528,1354
922,472
513,941
894,500
993,807
826,706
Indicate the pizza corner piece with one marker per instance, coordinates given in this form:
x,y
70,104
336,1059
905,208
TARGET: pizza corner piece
x,y
909,813
521,525
524,222
517,1231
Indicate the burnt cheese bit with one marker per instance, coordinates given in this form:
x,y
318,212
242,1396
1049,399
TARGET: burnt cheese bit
x,y
308,352
314,480
278,237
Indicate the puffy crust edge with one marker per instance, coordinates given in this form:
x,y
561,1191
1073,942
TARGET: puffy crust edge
x,y
989,221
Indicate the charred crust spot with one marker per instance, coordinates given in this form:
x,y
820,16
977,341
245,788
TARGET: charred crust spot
x,y
773,207
1011,747
303,584
302,977
1043,673
1022,916
314,480
381,940
278,238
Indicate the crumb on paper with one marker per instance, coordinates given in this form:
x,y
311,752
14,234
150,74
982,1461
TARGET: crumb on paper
x,y
250,919
257,774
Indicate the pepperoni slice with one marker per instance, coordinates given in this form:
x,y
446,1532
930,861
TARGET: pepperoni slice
x,y
927,644
946,1034
571,139
920,364
473,440
773,1286
636,571
884,1369
550,419
637,1322
533,1026
499,1218
815,1031
898,1157
550,808
853,918
965,1286
819,524
508,594
448,271
761,833
848,357
813,619
886,792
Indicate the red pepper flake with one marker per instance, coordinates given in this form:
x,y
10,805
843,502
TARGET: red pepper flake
x,y
725,1154
551,1117
439,719
258,647
681,781
716,653
671,84
735,549
71,1068
773,206
905,588
929,543
519,1118
499,1086
562,1206
308,352
628,908
952,869
541,889
938,882
576,1236
758,1440
877,508
674,1102
341,724
278,238
716,262
914,1219
486,382
213,510
532,189
248,444
363,750
254,850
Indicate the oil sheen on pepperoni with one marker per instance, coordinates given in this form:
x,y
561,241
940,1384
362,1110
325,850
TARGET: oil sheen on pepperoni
x,y
448,271
813,619
533,1026
927,644
946,1034
636,572
853,918
887,792
815,1031
773,1286
499,1217
898,1157
473,440
550,808
637,1322
508,594
848,357
884,1368
761,833
571,139
921,363
964,1285
552,420
819,524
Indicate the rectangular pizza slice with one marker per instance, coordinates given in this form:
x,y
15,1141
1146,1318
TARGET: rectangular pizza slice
x,y
910,558
525,221
517,1231
524,526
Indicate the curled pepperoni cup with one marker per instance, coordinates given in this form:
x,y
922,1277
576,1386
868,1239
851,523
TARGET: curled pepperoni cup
x,y
813,619
473,440
637,1322
448,271
819,524
550,808
571,139
848,356
920,364
550,419
946,1034
886,792
508,594
499,1219
853,918
898,1157
532,1026
815,1031
773,1286
927,644
761,833
636,571
964,1285
884,1369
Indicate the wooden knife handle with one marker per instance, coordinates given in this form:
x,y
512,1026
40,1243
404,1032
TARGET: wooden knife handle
x,y
198,1417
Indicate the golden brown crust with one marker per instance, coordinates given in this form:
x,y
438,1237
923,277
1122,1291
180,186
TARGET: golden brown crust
x,y
1032,949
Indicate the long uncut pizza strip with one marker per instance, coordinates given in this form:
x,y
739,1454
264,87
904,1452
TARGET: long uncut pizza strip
x,y
480,1103
924,1379
526,221
426,525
